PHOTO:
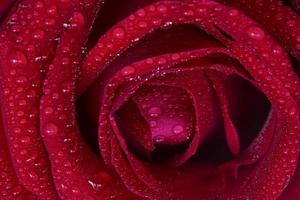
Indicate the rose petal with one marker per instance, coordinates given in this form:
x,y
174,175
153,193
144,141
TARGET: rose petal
x,y
74,166
21,63
278,19
10,186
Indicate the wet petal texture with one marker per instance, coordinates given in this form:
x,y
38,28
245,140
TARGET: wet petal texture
x,y
193,99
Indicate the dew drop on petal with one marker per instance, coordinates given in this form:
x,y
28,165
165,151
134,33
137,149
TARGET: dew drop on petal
x,y
119,33
233,12
25,139
142,24
153,124
67,87
162,8
128,70
38,34
52,10
48,110
177,129
159,139
141,12
77,20
17,58
256,33
39,4
154,111
13,72
50,22
51,129
291,23
21,79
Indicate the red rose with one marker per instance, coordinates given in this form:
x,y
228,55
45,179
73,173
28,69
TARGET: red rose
x,y
192,99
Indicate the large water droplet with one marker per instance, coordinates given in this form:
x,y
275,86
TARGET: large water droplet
x,y
177,129
77,20
154,111
17,58
128,70
48,110
119,33
256,33
51,129
159,139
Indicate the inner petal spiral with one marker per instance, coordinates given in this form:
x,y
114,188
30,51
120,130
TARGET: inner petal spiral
x,y
157,116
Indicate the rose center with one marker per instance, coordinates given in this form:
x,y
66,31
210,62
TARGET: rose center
x,y
157,117
168,112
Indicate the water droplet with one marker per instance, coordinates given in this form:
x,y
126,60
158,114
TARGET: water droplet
x,y
33,175
256,33
22,102
162,8
52,10
30,48
149,61
128,70
17,58
154,111
25,140
141,12
50,22
38,34
16,28
233,12
6,91
51,129
142,24
77,20
277,51
65,61
153,124
159,139
175,56
291,23
13,72
119,33
67,87
39,4
162,61
48,110
189,13
21,79
20,113
177,129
